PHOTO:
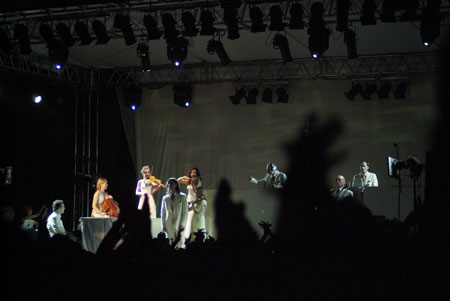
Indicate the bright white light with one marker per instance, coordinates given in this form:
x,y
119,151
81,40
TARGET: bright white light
x,y
187,104
315,55
177,63
58,66
133,107
37,99
426,44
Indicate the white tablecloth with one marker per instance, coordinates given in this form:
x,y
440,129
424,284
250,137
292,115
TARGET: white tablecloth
x,y
93,230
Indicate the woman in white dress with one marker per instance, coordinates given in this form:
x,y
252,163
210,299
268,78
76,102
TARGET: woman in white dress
x,y
196,202
99,197
147,186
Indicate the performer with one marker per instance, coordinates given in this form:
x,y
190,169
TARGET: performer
x,y
99,197
147,185
342,191
174,212
196,202
364,178
54,221
273,179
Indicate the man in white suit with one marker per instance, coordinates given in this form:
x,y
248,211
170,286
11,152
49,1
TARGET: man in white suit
x,y
364,178
174,212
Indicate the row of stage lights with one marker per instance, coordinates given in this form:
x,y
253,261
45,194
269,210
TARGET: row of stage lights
x,y
177,46
367,88
182,96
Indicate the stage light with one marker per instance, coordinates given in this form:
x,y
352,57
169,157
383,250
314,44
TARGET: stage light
x,y
256,16
170,30
267,95
350,41
368,91
64,33
318,33
142,53
122,23
100,32
368,13
207,23
217,47
190,30
355,90
182,95
231,20
47,34
342,7
281,42
21,34
383,91
152,28
296,20
276,18
237,97
388,11
250,99
283,97
177,51
132,97
5,44
430,25
83,33
400,90
58,54
37,99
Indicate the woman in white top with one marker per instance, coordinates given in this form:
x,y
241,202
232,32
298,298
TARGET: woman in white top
x,y
146,186
196,202
99,197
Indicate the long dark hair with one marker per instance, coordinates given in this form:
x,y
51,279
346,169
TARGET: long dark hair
x,y
197,170
173,180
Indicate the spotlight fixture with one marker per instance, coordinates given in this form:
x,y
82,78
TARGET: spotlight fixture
x,y
83,33
5,44
64,33
231,20
142,53
368,91
170,30
388,11
256,17
122,23
152,28
182,96
58,54
217,47
400,90
207,23
368,13
267,95
296,20
100,32
250,99
236,98
318,33
281,42
21,34
430,25
132,97
350,40
47,34
190,29
342,7
283,97
276,18
383,91
355,90
177,51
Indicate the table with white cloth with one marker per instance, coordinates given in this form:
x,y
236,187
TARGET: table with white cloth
x,y
93,230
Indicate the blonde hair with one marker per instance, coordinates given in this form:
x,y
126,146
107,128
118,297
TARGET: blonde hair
x,y
100,182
